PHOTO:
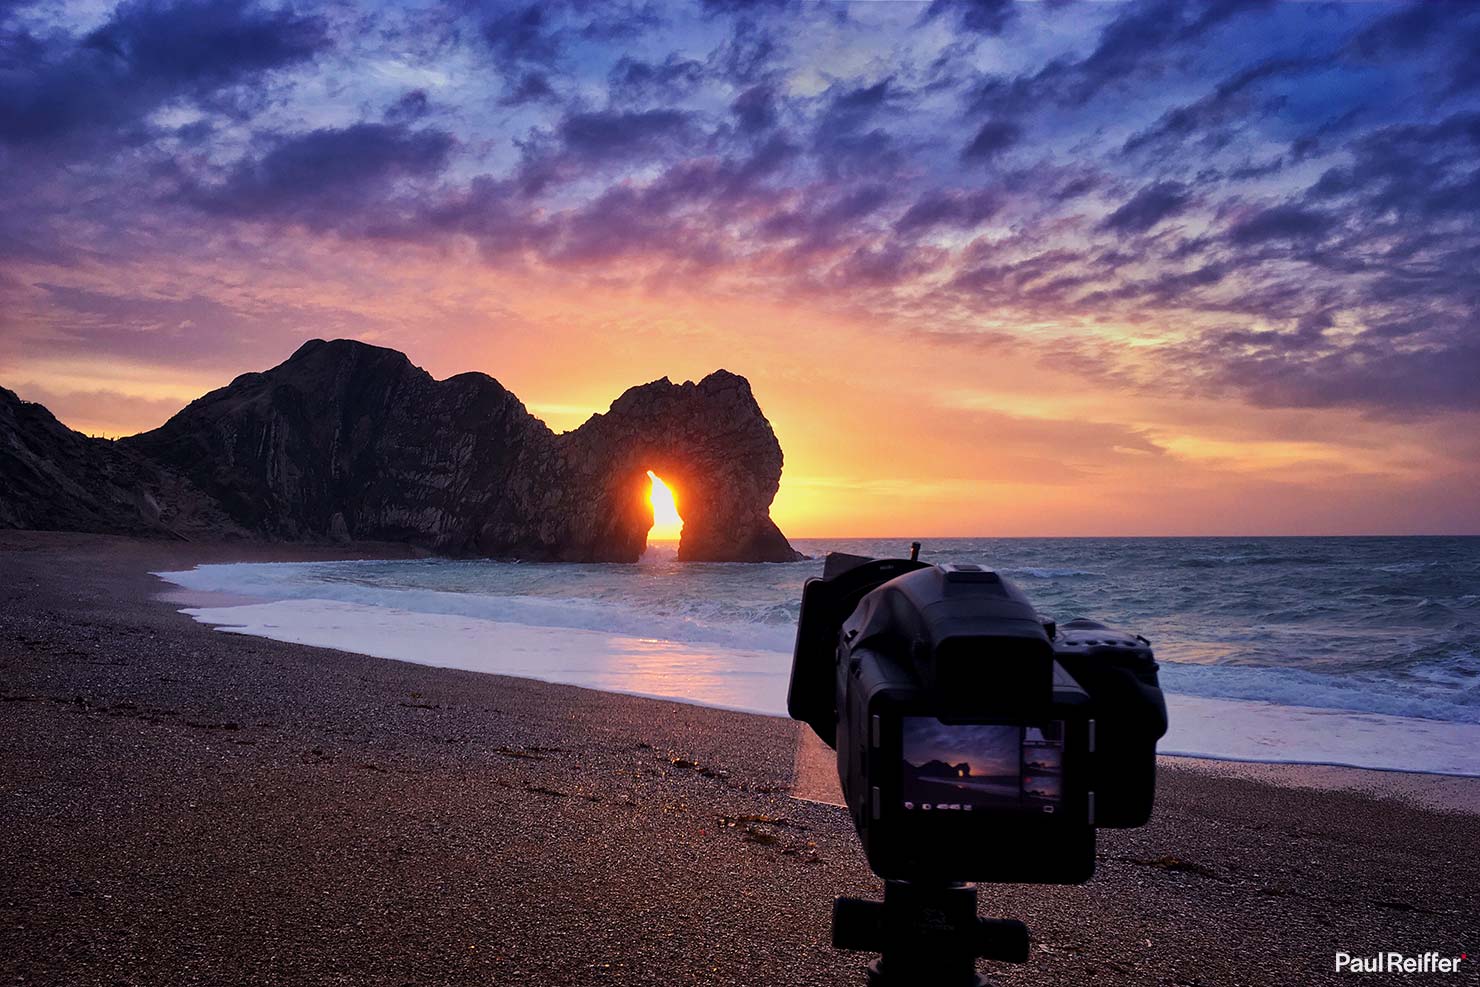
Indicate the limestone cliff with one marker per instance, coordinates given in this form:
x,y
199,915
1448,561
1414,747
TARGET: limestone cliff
x,y
55,479
709,442
350,441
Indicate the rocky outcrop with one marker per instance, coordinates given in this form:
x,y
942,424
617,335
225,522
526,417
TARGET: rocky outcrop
x,y
55,479
708,441
350,441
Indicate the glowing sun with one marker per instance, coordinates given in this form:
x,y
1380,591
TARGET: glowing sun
x,y
667,525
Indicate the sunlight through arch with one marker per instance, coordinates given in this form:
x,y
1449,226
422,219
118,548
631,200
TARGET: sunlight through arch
x,y
667,525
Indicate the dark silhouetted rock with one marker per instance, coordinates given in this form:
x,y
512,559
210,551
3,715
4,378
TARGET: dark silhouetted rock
x,y
708,441
55,479
349,441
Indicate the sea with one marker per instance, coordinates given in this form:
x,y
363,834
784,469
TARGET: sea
x,y
1362,652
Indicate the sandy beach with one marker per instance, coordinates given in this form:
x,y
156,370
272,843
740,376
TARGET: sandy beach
x,y
180,806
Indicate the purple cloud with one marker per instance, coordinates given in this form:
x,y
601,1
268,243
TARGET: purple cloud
x,y
103,84
1239,177
1148,207
327,178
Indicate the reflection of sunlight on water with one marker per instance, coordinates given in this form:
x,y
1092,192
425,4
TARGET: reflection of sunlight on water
x,y
756,680
659,551
711,676
735,678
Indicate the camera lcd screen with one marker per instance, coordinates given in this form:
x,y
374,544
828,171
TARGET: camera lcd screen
x,y
976,767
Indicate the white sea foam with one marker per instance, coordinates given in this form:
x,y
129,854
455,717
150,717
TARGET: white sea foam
x,y
1254,642
1034,572
1239,730
756,680
732,678
689,621
1366,693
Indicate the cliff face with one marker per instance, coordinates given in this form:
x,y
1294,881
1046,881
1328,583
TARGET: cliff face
x,y
55,479
350,441
346,440
708,441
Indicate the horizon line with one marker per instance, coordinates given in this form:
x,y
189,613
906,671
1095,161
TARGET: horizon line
x,y
922,538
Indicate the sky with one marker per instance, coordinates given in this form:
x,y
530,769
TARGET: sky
x,y
992,268
988,750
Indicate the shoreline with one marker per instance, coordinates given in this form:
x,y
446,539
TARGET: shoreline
x,y
1453,791
182,805
751,680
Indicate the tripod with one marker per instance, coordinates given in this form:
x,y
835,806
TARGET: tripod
x,y
928,934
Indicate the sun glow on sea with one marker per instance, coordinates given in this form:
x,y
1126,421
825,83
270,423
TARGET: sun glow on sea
x,y
667,525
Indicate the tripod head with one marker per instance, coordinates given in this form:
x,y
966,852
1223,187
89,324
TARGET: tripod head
x,y
976,741
929,935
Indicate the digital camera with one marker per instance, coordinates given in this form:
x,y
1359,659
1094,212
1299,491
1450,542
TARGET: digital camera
x,y
975,740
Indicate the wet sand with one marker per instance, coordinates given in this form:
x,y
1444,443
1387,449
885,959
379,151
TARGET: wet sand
x,y
180,806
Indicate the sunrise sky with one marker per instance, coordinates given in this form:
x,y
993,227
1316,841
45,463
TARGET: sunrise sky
x,y
1000,268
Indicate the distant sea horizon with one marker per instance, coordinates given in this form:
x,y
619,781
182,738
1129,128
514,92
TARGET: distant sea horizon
x,y
906,539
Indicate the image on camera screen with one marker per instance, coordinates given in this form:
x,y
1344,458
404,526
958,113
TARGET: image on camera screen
x,y
974,767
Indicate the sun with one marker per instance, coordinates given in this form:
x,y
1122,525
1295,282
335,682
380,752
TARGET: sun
x,y
667,525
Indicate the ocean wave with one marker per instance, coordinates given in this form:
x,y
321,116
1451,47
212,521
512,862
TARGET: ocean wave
x,y
1407,567
1032,572
1359,692
1328,645
1216,561
764,627
757,682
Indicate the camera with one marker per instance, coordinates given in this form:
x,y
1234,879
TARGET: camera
x,y
976,741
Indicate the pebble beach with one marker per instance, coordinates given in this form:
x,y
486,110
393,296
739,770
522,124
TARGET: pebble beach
x,y
181,806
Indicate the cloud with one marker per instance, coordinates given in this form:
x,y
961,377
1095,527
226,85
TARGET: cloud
x,y
849,108
81,409
531,87
175,330
521,36
1139,42
103,84
1285,222
1293,370
1228,104
1413,26
1195,174
821,224
989,17
1148,207
749,54
745,6
755,109
992,138
328,178
617,135
413,105
634,81
952,208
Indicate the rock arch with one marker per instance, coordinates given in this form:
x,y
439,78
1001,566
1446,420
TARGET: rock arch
x,y
710,443
350,441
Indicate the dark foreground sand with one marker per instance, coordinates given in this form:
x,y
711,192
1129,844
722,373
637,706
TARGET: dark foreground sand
x,y
181,806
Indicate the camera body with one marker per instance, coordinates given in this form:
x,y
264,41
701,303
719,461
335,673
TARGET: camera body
x,y
975,741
